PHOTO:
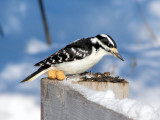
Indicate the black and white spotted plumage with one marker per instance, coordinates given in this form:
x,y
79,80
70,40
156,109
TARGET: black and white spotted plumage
x,y
74,51
78,57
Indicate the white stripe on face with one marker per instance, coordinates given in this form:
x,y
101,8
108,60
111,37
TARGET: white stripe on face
x,y
110,40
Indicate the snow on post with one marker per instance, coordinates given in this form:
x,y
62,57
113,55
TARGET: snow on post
x,y
120,90
73,99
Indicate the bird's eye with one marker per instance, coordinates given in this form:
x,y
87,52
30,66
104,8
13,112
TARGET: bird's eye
x,y
110,46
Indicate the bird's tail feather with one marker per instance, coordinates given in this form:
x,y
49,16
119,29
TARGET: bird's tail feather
x,y
36,74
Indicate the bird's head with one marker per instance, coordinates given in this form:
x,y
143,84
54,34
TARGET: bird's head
x,y
109,45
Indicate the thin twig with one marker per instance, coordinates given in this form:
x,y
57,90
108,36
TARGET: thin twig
x,y
1,31
45,22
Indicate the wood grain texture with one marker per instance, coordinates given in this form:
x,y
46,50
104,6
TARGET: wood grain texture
x,y
62,103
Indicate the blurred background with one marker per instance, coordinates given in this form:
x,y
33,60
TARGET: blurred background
x,y
133,24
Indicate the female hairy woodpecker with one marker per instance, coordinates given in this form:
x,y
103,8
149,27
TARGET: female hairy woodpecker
x,y
77,57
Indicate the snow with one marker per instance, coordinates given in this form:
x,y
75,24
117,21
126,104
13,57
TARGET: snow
x,y
21,20
154,8
15,71
18,107
36,46
128,107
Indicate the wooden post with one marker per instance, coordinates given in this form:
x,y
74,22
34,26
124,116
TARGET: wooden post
x,y
120,89
60,102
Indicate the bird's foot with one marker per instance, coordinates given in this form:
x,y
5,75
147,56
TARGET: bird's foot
x,y
56,74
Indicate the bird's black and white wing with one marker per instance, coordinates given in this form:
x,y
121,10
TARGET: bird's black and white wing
x,y
74,51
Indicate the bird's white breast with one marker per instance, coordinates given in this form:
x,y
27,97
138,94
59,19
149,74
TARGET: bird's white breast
x,y
80,66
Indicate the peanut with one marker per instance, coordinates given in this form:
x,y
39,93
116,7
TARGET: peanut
x,y
60,75
52,74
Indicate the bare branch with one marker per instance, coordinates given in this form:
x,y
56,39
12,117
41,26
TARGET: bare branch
x,y
1,31
45,22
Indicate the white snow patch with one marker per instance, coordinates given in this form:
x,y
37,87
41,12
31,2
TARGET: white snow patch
x,y
148,63
15,71
154,8
128,107
110,94
36,46
152,53
139,47
18,107
150,96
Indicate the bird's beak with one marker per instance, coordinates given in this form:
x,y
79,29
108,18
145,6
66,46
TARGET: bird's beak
x,y
115,53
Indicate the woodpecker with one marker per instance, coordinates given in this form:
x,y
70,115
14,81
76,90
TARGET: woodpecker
x,y
77,57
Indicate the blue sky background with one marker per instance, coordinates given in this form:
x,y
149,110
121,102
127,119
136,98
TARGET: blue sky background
x,y
24,44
